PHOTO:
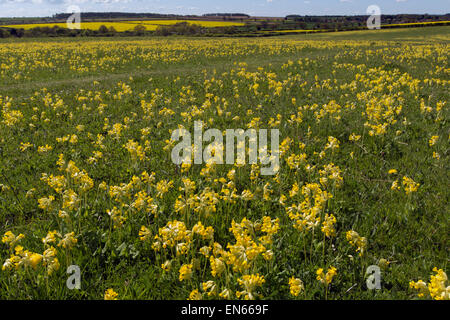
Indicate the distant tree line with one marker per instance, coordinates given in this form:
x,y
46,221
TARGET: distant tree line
x,y
56,31
341,23
227,15
114,15
361,19
181,28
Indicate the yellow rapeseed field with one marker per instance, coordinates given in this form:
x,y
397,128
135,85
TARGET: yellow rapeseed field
x,y
129,25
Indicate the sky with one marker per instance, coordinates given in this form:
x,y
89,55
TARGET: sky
x,y
278,8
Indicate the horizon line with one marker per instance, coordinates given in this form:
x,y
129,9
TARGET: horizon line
x,y
211,13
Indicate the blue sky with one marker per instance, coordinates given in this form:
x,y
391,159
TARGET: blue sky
x,y
30,8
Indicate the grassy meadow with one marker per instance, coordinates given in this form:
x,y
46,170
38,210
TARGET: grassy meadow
x,y
86,176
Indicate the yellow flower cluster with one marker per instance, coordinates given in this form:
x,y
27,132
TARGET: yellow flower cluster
x,y
437,288
110,294
326,278
296,286
357,241
410,185
249,283
306,215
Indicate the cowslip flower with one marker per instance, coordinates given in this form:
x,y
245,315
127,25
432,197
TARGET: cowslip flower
x,y
45,203
166,265
433,140
438,285
11,239
250,283
395,185
356,240
35,259
328,225
326,278
44,149
195,295
354,137
332,144
217,266
226,294
68,241
51,237
437,288
25,146
110,294
144,233
185,272
295,286
210,287
410,185
421,286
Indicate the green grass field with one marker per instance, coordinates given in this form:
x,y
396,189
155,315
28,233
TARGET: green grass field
x,y
435,34
349,106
